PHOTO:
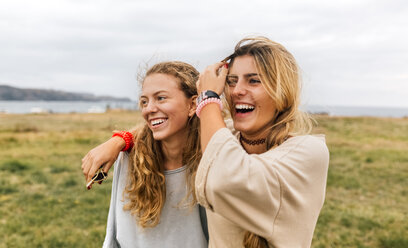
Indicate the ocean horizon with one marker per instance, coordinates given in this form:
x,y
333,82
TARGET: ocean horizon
x,y
26,107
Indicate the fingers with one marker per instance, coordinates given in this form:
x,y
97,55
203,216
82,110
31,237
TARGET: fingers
x,y
224,70
217,70
89,166
86,165
218,64
107,166
104,154
214,69
92,170
89,185
213,78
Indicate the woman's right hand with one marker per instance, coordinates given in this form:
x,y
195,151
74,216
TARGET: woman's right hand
x,y
213,78
104,155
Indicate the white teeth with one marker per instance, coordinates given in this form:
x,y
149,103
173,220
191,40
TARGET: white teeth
x,y
157,121
244,106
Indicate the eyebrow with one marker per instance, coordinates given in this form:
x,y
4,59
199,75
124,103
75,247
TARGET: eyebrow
x,y
156,93
251,74
245,75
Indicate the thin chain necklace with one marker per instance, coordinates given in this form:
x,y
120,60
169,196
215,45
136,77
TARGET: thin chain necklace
x,y
251,142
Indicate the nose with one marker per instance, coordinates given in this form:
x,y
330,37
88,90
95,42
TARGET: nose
x,y
239,89
150,107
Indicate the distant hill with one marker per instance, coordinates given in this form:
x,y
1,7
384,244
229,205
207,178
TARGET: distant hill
x,y
8,93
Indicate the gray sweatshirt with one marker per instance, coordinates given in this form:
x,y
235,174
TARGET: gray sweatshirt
x,y
179,225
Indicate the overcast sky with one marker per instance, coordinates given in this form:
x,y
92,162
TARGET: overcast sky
x,y
350,52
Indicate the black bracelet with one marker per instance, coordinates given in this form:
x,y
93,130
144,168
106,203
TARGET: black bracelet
x,y
206,94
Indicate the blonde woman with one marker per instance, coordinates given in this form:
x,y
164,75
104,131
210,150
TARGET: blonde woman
x,y
153,202
264,183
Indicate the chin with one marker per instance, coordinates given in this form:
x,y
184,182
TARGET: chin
x,y
239,126
247,128
158,136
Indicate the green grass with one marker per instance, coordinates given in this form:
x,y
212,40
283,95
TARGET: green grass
x,y
366,197
43,199
44,203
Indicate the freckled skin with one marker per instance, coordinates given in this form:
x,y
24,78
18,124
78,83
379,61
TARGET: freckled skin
x,y
162,98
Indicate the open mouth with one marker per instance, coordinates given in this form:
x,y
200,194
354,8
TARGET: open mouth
x,y
157,122
244,108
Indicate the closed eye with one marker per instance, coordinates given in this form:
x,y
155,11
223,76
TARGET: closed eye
x,y
231,81
254,81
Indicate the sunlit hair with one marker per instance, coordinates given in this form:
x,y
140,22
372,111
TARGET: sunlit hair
x,y
279,75
146,189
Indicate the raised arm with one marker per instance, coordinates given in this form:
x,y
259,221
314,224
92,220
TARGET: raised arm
x,y
211,120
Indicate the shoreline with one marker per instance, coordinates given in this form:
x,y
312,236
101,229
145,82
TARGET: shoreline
x,y
125,111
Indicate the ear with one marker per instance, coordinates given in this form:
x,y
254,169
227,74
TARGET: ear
x,y
193,106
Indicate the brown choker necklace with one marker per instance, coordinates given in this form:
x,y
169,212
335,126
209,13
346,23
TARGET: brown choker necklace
x,y
251,142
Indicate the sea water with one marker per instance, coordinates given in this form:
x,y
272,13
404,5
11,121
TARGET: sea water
x,y
24,107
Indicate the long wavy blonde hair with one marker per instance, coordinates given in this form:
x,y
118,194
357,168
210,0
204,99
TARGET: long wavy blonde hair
x,y
279,74
146,189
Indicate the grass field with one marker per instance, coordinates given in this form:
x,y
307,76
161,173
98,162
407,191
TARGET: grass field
x,y
44,203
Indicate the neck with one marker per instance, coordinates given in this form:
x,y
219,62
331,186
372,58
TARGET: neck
x,y
253,144
173,153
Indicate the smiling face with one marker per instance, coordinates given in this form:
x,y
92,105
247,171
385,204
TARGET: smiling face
x,y
165,107
253,109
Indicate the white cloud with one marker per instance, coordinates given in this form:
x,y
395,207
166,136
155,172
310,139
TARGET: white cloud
x,y
351,52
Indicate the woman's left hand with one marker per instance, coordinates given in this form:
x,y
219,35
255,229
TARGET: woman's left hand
x,y
213,78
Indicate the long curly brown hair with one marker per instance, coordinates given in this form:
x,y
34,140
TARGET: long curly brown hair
x,y
146,189
279,74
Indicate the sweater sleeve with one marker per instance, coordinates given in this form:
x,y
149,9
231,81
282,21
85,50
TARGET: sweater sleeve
x,y
110,237
250,190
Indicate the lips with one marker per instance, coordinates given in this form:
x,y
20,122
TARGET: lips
x,y
242,108
157,121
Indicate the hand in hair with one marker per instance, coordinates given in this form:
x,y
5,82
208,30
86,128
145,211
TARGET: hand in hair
x,y
104,155
213,78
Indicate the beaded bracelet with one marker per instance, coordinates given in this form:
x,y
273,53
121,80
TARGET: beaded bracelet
x,y
204,103
127,137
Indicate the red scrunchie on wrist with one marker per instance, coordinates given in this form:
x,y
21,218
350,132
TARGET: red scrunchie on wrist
x,y
127,137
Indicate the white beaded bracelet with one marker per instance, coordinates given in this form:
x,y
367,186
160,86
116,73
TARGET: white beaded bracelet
x,y
203,103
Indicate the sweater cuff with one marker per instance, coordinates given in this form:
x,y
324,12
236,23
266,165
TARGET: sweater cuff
x,y
210,154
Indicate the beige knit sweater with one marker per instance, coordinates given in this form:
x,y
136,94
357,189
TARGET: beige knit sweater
x,y
277,195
